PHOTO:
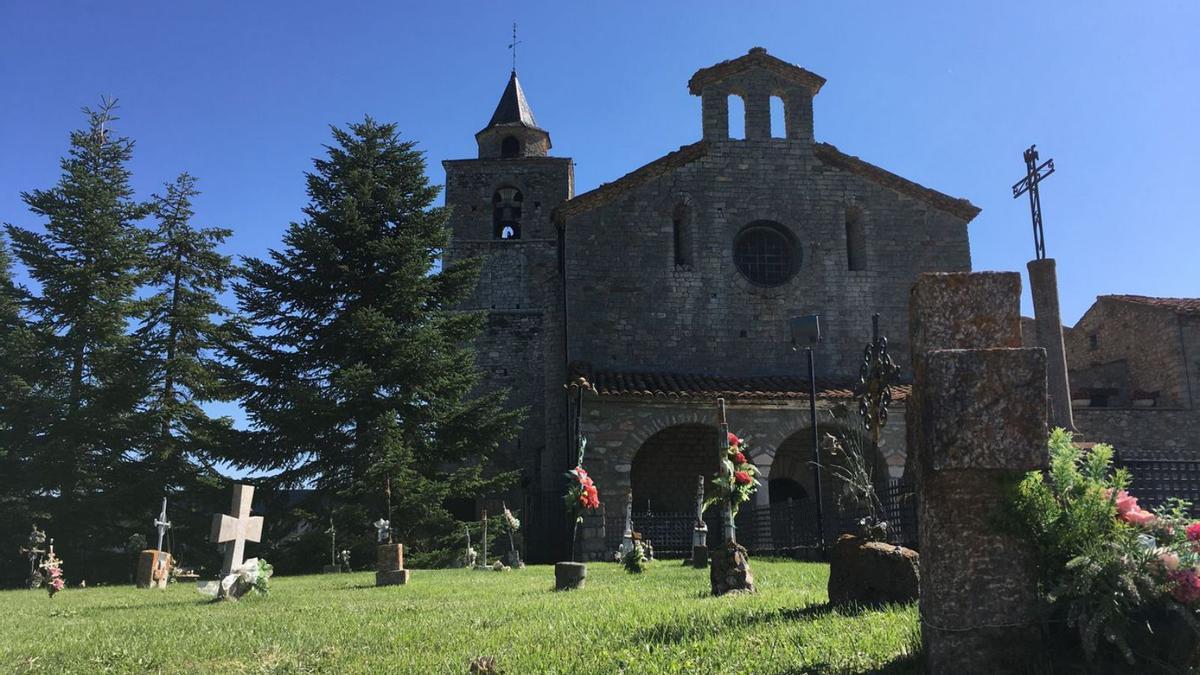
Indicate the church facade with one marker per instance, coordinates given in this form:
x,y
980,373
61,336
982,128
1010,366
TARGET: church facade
x,y
674,285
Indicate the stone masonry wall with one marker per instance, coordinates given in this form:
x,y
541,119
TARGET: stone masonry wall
x,y
1146,338
522,348
632,308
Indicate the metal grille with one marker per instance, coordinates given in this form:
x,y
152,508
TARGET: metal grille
x,y
765,255
1157,480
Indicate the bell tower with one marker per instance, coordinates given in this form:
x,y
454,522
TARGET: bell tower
x,y
501,203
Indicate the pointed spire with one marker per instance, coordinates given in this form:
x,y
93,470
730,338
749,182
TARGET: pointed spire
x,y
513,107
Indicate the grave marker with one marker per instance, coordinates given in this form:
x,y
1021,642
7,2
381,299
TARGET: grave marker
x,y
233,531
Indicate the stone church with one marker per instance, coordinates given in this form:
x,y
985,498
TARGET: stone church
x,y
673,285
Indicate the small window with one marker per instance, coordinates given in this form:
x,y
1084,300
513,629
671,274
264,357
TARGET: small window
x,y
778,119
856,241
681,227
765,253
506,213
737,117
510,147
1093,342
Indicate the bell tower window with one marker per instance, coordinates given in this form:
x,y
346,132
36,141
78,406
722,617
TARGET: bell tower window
x,y
506,213
510,147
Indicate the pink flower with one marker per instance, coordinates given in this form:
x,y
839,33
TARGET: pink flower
x,y
734,441
1186,586
1126,503
739,459
1193,532
1169,560
1138,517
741,477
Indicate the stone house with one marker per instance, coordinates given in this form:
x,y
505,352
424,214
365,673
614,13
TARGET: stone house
x,y
674,284
1134,365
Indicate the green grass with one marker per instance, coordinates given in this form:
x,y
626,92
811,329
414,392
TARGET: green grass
x,y
663,621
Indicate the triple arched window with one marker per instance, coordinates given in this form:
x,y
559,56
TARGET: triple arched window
x,y
506,213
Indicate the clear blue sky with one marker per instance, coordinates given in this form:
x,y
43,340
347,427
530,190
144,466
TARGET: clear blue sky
x,y
239,94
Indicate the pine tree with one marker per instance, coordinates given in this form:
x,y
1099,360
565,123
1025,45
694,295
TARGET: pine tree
x,y
357,367
181,337
87,264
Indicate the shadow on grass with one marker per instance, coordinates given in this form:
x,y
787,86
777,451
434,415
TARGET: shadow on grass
x,y
904,665
671,633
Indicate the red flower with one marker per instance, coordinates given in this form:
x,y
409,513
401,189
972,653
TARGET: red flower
x,y
589,497
734,441
1193,532
742,478
739,459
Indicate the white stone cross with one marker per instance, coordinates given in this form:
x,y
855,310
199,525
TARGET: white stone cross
x,y
234,531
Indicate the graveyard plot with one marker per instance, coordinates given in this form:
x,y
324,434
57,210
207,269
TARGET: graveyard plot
x,y
662,621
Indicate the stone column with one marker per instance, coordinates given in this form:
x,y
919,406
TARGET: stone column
x,y
1043,285
715,113
758,114
976,422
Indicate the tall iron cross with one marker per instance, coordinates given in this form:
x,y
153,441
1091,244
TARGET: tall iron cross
x,y
513,47
1034,174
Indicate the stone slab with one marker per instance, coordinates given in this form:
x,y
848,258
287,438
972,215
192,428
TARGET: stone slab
x,y
149,575
984,409
389,557
392,577
965,310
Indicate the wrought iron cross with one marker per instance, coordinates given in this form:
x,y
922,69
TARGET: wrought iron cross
x,y
1034,174
513,46
875,378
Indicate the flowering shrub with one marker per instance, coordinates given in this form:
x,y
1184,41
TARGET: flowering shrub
x,y
1105,564
737,480
634,560
51,569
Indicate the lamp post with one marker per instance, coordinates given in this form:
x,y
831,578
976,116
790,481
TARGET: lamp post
x,y
806,331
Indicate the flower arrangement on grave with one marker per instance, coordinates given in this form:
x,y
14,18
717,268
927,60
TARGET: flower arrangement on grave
x,y
511,525
737,480
635,560
582,494
51,569
252,575
849,463
1109,568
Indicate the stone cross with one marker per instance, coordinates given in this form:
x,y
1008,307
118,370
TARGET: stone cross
x,y
700,536
976,421
233,531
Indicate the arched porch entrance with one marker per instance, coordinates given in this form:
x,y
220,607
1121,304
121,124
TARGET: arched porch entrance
x,y
663,477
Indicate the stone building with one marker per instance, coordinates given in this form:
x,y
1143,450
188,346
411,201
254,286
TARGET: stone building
x,y
673,285
1134,364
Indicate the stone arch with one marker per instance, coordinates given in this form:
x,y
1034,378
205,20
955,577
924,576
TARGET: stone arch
x,y
793,461
664,467
778,111
737,116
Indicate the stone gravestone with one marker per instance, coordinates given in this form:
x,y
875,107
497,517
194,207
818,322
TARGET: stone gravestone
x,y
700,531
976,420
232,532
389,557
626,536
154,565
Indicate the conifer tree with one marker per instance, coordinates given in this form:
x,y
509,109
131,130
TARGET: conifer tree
x,y
180,337
356,365
87,266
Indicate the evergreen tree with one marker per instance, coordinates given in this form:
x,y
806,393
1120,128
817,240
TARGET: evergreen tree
x,y
87,265
356,366
180,337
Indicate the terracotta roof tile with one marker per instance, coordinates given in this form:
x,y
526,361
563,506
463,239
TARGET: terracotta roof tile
x,y
693,386
1179,305
831,156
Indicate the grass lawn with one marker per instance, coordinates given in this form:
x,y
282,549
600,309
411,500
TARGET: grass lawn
x,y
660,622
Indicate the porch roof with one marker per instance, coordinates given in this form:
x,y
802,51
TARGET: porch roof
x,y
733,387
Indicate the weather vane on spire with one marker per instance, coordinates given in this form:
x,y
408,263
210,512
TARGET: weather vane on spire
x,y
513,46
